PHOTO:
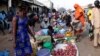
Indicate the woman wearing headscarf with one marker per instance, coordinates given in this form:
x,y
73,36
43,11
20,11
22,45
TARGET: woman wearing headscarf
x,y
79,15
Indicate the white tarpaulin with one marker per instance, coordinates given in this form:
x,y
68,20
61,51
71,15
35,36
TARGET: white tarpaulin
x,y
47,3
30,1
9,3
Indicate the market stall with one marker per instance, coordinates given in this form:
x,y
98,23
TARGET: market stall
x,y
64,42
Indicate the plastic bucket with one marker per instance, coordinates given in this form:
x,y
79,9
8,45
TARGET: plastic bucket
x,y
48,45
43,52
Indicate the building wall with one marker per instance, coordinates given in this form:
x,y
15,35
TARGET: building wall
x,y
39,8
3,7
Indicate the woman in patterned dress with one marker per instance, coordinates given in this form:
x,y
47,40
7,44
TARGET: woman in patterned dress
x,y
20,32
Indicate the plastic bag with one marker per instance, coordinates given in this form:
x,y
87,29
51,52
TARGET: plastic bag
x,y
44,31
4,53
57,36
56,29
62,24
60,46
62,31
48,45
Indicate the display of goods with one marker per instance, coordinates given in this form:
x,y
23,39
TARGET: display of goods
x,y
62,24
69,39
59,21
60,46
54,23
56,29
69,51
59,36
58,41
38,33
72,41
68,34
62,31
43,38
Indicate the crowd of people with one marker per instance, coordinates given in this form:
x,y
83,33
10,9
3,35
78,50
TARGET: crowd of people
x,y
21,24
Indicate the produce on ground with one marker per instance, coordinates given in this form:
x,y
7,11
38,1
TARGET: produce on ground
x,y
69,51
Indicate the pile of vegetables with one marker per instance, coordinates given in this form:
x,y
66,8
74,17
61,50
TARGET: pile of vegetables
x,y
69,51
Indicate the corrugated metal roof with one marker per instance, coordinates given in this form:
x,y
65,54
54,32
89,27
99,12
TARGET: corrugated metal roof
x,y
30,1
35,2
38,3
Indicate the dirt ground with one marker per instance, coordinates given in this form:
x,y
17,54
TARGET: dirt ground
x,y
85,46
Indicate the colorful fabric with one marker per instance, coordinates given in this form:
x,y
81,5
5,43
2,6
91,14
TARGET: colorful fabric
x,y
23,45
78,16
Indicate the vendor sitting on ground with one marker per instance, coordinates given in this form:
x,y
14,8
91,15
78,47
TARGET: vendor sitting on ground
x,y
50,32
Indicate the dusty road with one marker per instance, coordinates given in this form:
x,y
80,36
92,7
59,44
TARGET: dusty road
x,y
85,46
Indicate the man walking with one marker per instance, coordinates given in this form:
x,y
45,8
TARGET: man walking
x,y
96,23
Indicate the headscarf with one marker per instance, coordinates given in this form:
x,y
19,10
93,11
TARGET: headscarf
x,y
78,11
